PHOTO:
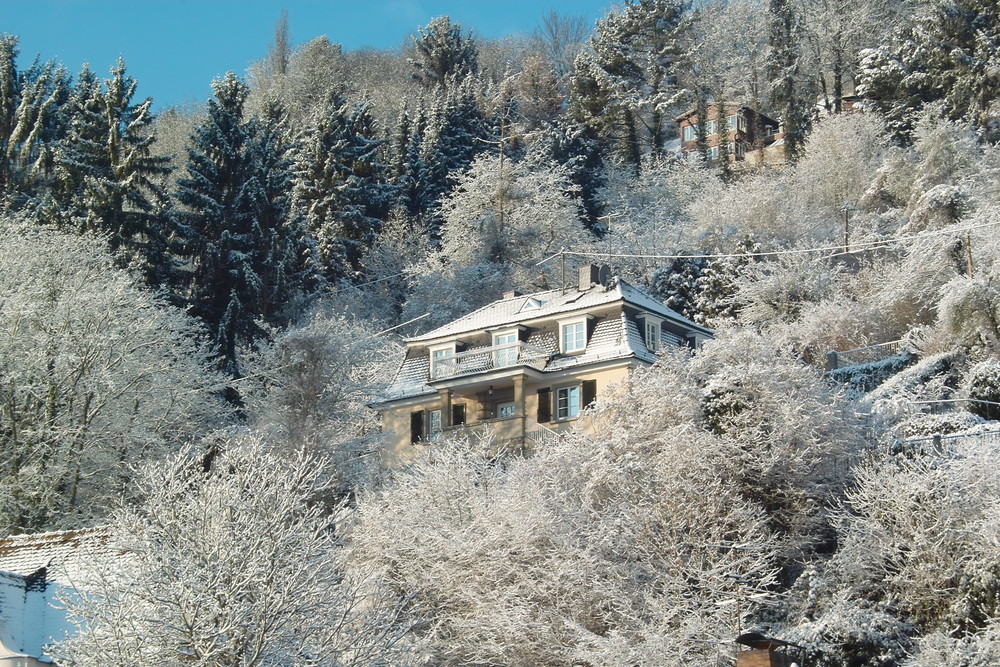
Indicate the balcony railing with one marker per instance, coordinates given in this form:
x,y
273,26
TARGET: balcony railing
x,y
489,358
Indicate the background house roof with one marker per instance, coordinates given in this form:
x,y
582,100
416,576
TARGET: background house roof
x,y
68,555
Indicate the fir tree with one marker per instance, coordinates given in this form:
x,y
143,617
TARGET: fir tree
x,y
443,53
31,121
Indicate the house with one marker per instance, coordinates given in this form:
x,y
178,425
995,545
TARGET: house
x,y
525,366
750,136
34,570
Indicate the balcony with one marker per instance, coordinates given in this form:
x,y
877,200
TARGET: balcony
x,y
489,358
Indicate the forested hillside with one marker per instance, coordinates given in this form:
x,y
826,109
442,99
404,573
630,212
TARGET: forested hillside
x,y
197,306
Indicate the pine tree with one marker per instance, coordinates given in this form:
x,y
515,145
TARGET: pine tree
x,y
630,79
455,134
788,91
950,54
243,249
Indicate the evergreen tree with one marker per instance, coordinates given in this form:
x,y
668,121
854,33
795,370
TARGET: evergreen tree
x,y
789,93
456,132
243,249
339,185
950,54
443,54
31,121
108,177
630,80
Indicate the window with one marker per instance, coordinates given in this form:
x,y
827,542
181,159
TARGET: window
x,y
505,410
416,426
567,402
689,133
732,123
652,335
713,153
570,400
650,328
458,414
573,335
442,365
710,127
505,349
434,425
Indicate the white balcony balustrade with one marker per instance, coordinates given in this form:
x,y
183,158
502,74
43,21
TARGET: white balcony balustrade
x,y
489,358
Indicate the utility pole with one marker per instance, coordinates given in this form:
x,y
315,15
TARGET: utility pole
x,y
847,208
968,254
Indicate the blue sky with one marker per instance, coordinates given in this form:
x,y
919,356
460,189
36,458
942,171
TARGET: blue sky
x,y
174,48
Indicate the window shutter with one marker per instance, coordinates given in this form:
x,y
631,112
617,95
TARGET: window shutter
x,y
544,405
458,414
417,426
589,392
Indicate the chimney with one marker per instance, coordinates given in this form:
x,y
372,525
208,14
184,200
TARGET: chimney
x,y
510,294
589,275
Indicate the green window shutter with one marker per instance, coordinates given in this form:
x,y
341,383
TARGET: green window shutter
x,y
589,392
544,405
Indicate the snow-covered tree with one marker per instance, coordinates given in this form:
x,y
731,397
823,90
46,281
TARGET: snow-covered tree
x,y
31,121
631,74
917,547
98,375
339,187
948,54
510,212
109,177
442,54
232,562
308,390
245,250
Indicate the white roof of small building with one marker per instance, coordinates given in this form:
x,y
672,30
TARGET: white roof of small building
x,y
67,555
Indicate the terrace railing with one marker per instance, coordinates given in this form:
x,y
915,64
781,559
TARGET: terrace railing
x,y
489,358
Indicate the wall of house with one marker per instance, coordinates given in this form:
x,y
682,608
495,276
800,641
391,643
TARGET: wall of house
x,y
480,412
29,620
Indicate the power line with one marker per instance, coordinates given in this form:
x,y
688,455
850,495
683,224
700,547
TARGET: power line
x,y
837,250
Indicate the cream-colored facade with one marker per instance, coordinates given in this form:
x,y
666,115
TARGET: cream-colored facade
x,y
524,368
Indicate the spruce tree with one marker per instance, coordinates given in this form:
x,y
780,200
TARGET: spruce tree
x,y
243,250
32,119
339,185
443,54
108,176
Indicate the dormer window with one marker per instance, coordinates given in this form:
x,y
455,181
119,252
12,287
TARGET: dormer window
x,y
442,360
573,335
505,347
650,328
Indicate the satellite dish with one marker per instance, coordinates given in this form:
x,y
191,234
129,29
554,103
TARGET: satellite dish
x,y
604,275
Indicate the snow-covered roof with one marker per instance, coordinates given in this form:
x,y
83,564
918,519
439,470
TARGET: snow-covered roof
x,y
615,336
545,305
67,555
